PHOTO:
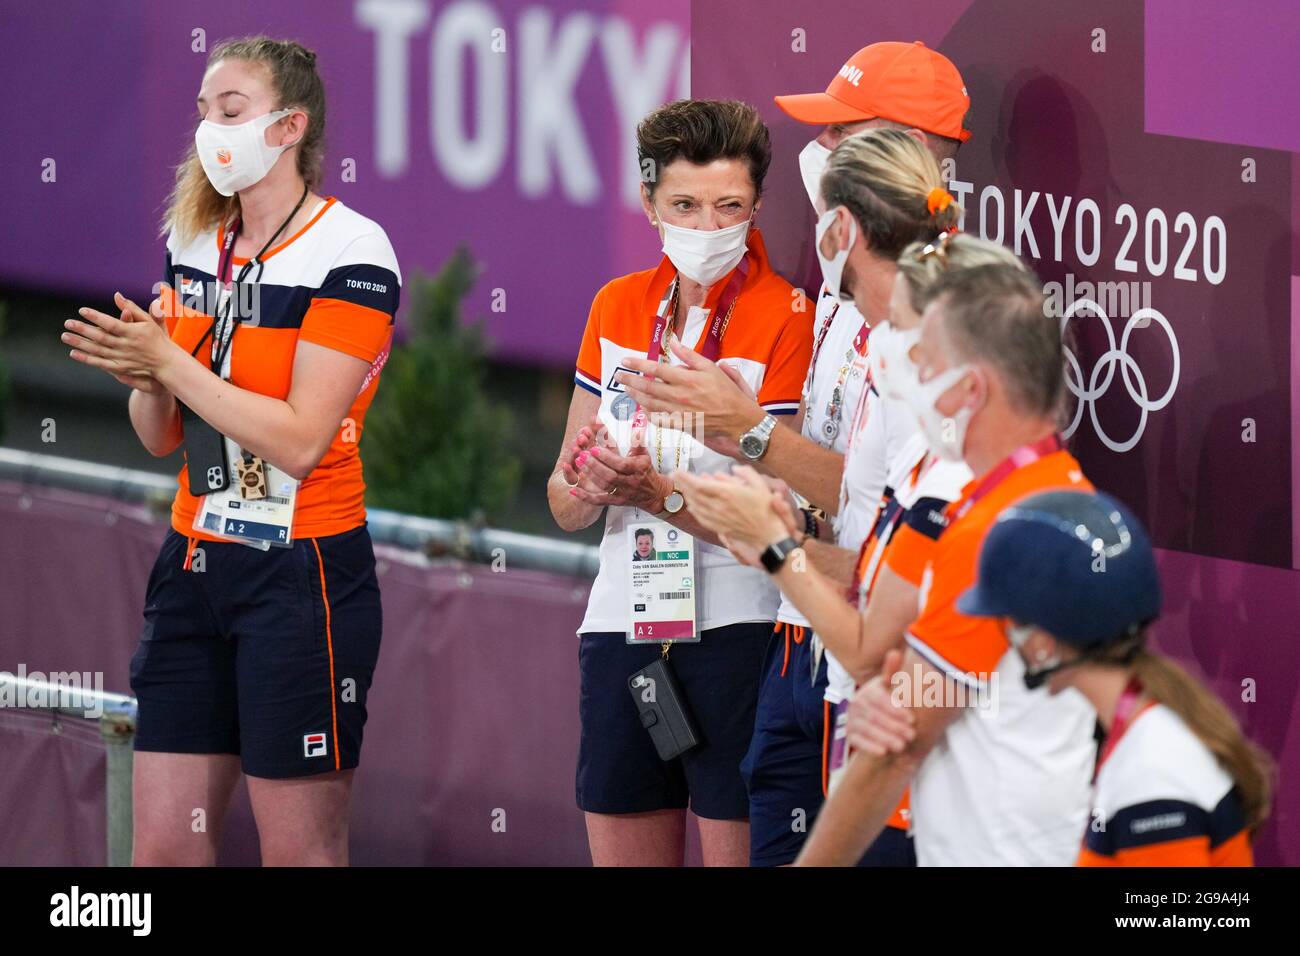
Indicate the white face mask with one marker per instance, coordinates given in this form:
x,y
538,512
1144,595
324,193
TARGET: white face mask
x,y
236,157
1038,671
833,269
946,435
705,255
892,368
812,163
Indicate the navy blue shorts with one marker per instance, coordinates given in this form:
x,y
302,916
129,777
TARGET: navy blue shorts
x,y
785,769
618,768
784,766
264,654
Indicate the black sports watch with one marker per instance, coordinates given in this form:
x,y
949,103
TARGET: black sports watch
x,y
774,555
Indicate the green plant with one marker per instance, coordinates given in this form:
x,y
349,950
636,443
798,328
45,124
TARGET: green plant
x,y
435,443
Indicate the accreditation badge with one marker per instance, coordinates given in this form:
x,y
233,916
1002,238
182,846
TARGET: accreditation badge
x,y
261,521
661,569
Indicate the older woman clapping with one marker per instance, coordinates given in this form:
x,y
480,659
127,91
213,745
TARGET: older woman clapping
x,y
714,290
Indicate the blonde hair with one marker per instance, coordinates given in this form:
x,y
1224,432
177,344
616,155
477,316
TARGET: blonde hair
x,y
922,263
194,206
888,181
1206,716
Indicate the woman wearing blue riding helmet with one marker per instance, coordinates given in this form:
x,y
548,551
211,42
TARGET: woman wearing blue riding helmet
x,y
1177,783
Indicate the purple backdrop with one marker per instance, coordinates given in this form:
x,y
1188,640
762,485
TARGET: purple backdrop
x,y
453,141
1054,114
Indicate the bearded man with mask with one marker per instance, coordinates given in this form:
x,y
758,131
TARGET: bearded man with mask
x,y
706,614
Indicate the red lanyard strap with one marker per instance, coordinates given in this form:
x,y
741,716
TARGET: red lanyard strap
x,y
718,321
821,340
712,335
1125,711
222,342
1022,456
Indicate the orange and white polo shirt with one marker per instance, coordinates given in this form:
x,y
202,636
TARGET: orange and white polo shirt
x,y
1162,799
1008,783
768,340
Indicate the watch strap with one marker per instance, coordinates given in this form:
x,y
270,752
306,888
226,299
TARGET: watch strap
x,y
774,555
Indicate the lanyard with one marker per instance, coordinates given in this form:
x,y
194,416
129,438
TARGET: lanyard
x,y
835,407
224,322
1125,711
718,323
821,340
1022,456
858,421
883,527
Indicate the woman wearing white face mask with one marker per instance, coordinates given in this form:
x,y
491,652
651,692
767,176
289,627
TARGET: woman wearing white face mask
x,y
1177,782
262,619
714,291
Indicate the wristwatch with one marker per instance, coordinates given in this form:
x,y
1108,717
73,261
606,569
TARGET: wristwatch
x,y
674,502
774,555
753,444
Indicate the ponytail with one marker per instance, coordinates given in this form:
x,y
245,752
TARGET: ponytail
x,y
1207,717
893,187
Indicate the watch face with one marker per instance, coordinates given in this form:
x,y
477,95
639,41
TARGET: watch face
x,y
751,446
674,502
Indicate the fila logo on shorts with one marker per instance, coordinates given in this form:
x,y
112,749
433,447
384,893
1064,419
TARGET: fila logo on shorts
x,y
313,745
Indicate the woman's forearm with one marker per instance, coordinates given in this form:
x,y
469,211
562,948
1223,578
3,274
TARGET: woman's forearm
x,y
265,426
156,420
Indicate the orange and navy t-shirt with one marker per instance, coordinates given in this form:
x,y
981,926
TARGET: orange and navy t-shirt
x,y
1162,799
334,283
962,646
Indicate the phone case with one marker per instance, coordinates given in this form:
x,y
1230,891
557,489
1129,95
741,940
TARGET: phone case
x,y
205,454
663,709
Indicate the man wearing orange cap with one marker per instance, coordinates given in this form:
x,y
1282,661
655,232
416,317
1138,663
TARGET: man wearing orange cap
x,y
890,84
901,85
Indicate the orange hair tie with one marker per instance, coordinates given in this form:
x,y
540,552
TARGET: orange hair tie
x,y
938,200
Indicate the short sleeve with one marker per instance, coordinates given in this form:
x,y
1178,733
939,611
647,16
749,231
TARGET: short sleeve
x,y
1152,833
787,366
967,649
353,309
587,372
912,547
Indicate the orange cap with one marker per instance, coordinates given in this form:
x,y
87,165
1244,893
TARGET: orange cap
x,y
904,82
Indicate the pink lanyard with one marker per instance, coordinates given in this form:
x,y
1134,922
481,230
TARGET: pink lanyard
x,y
1125,709
713,334
1022,456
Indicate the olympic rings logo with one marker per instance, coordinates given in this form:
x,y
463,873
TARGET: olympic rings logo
x,y
1134,380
